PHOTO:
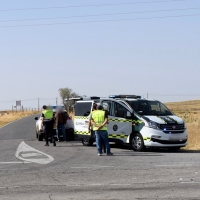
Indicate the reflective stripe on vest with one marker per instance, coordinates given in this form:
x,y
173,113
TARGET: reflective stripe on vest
x,y
99,118
48,114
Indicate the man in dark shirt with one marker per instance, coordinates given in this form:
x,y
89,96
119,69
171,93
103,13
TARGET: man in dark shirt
x,y
61,119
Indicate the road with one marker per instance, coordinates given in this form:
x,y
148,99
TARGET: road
x,y
29,170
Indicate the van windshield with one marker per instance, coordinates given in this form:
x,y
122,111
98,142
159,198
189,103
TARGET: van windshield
x,y
144,107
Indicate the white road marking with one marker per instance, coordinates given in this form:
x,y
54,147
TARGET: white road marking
x,y
3,187
75,185
120,184
96,184
192,182
14,162
9,187
175,165
24,149
89,167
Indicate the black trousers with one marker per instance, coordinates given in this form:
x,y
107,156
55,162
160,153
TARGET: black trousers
x,y
49,131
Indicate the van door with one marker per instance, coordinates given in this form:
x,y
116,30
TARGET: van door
x,y
83,110
120,125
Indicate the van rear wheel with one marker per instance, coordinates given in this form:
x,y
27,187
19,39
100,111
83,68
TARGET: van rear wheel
x,y
137,142
87,142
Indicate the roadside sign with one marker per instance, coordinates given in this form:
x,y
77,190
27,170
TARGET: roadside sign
x,y
18,103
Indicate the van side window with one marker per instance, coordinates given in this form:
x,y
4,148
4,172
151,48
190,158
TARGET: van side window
x,y
83,109
120,111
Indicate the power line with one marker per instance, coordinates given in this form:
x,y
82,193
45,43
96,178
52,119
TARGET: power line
x,y
176,95
92,5
111,14
53,98
98,21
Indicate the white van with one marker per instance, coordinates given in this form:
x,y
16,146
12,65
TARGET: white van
x,y
139,122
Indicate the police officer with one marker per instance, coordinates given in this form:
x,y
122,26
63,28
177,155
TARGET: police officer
x,y
99,122
90,128
48,122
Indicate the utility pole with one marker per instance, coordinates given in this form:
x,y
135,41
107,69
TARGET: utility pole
x,y
147,95
56,101
38,104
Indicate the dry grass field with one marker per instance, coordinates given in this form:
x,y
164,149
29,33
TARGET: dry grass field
x,y
7,117
190,112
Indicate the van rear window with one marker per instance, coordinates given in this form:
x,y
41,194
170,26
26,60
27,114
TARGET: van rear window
x,y
83,109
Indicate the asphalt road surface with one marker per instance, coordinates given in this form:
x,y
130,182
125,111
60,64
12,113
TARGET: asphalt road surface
x,y
31,171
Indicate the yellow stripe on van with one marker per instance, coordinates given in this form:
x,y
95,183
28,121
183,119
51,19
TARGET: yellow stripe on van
x,y
148,139
126,120
82,133
79,117
117,136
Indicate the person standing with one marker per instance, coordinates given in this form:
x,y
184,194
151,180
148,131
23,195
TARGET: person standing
x,y
90,127
61,120
99,122
48,122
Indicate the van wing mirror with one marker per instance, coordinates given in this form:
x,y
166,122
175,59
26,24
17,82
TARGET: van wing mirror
x,y
36,118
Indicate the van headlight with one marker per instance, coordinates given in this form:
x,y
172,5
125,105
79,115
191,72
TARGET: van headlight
x,y
153,125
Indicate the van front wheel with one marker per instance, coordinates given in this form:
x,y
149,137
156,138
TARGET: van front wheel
x,y
137,142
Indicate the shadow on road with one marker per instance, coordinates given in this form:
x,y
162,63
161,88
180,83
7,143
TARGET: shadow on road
x,y
127,147
188,151
137,154
153,150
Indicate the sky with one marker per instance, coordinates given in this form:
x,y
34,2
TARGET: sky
x,y
98,48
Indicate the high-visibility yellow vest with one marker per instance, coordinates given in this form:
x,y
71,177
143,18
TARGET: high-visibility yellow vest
x,y
99,118
48,114
91,118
